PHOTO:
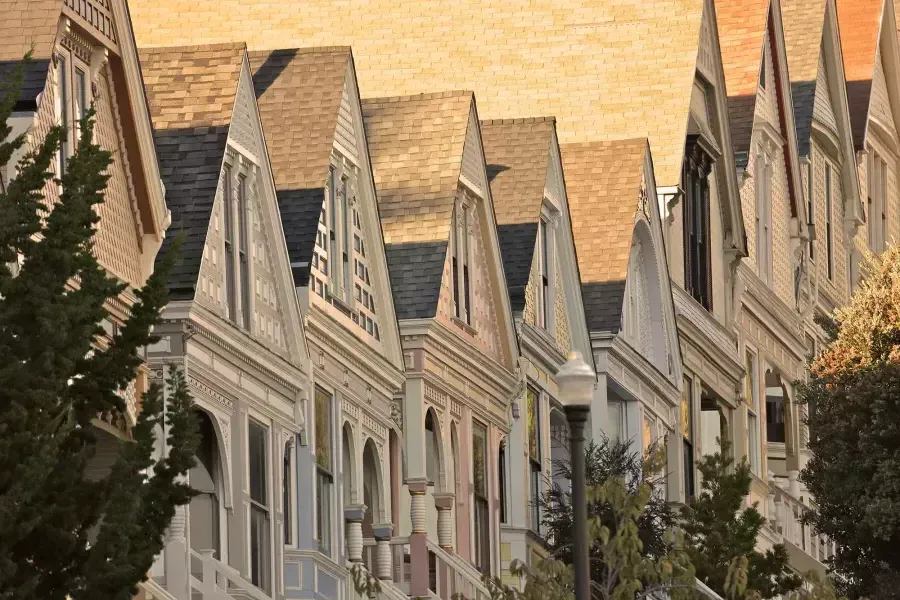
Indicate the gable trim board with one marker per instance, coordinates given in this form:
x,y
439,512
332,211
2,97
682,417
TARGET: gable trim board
x,y
194,94
304,95
418,148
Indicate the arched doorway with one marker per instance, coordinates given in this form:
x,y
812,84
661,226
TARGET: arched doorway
x,y
205,478
372,492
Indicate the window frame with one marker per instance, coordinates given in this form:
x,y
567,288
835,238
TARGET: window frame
x,y
811,202
533,403
697,166
461,247
687,437
261,575
829,222
243,249
481,537
751,400
325,474
287,490
763,194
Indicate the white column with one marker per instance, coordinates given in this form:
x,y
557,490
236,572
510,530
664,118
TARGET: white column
x,y
444,505
384,568
176,556
354,517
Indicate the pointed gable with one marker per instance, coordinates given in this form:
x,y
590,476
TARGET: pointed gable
x,y
191,91
860,22
416,145
603,181
803,30
299,92
517,152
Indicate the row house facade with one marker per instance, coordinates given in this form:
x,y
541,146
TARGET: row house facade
x,y
376,290
534,227
233,326
84,56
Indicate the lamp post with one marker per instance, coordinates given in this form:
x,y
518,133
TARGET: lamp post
x,y
576,381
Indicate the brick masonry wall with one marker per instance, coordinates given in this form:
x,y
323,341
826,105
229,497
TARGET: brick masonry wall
x,y
415,46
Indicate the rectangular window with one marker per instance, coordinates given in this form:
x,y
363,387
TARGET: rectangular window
x,y
324,470
697,254
544,294
881,216
467,292
750,398
287,491
228,234
62,113
482,513
243,244
829,233
333,246
810,202
81,106
615,410
763,217
501,464
687,435
260,545
534,455
345,241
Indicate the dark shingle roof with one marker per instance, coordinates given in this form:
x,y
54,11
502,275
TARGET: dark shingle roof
x,y
803,23
603,185
860,25
299,96
28,25
416,147
517,152
191,92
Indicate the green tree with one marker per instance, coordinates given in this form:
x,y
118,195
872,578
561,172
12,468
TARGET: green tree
x,y
606,460
853,395
719,533
63,534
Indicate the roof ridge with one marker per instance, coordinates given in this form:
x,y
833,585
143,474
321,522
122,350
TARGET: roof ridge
x,y
612,142
304,50
193,47
519,120
424,96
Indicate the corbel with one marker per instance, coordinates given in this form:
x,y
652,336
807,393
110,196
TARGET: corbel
x,y
99,58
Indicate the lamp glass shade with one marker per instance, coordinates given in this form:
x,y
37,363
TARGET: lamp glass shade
x,y
576,381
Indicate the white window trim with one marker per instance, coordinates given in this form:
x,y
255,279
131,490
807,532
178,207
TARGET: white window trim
x,y
334,543
262,420
763,195
463,237
754,455
241,169
545,311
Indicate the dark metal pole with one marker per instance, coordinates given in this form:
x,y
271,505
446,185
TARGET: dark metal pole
x,y
577,416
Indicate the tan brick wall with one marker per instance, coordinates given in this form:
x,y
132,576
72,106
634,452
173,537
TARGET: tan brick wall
x,y
522,58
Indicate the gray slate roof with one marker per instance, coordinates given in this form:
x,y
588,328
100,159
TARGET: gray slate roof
x,y
191,92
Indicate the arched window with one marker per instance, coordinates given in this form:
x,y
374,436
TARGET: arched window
x,y
347,464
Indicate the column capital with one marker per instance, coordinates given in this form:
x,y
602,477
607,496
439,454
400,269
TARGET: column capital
x,y
355,512
444,501
383,531
417,485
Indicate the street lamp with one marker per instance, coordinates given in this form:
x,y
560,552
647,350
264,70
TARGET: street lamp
x,y
576,381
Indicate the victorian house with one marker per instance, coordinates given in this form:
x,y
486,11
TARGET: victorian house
x,y
628,296
776,302
459,339
84,56
534,227
233,326
349,464
871,61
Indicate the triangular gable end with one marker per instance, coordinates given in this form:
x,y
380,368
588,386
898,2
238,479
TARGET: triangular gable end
x,y
569,305
350,140
492,325
711,68
275,322
654,334
884,100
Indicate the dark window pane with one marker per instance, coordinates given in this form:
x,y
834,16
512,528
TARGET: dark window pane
x,y
257,466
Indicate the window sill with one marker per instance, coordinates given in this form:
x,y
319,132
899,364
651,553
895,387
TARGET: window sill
x,y
464,326
340,305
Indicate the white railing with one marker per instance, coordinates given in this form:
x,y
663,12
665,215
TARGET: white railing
x,y
453,575
154,591
785,514
217,580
